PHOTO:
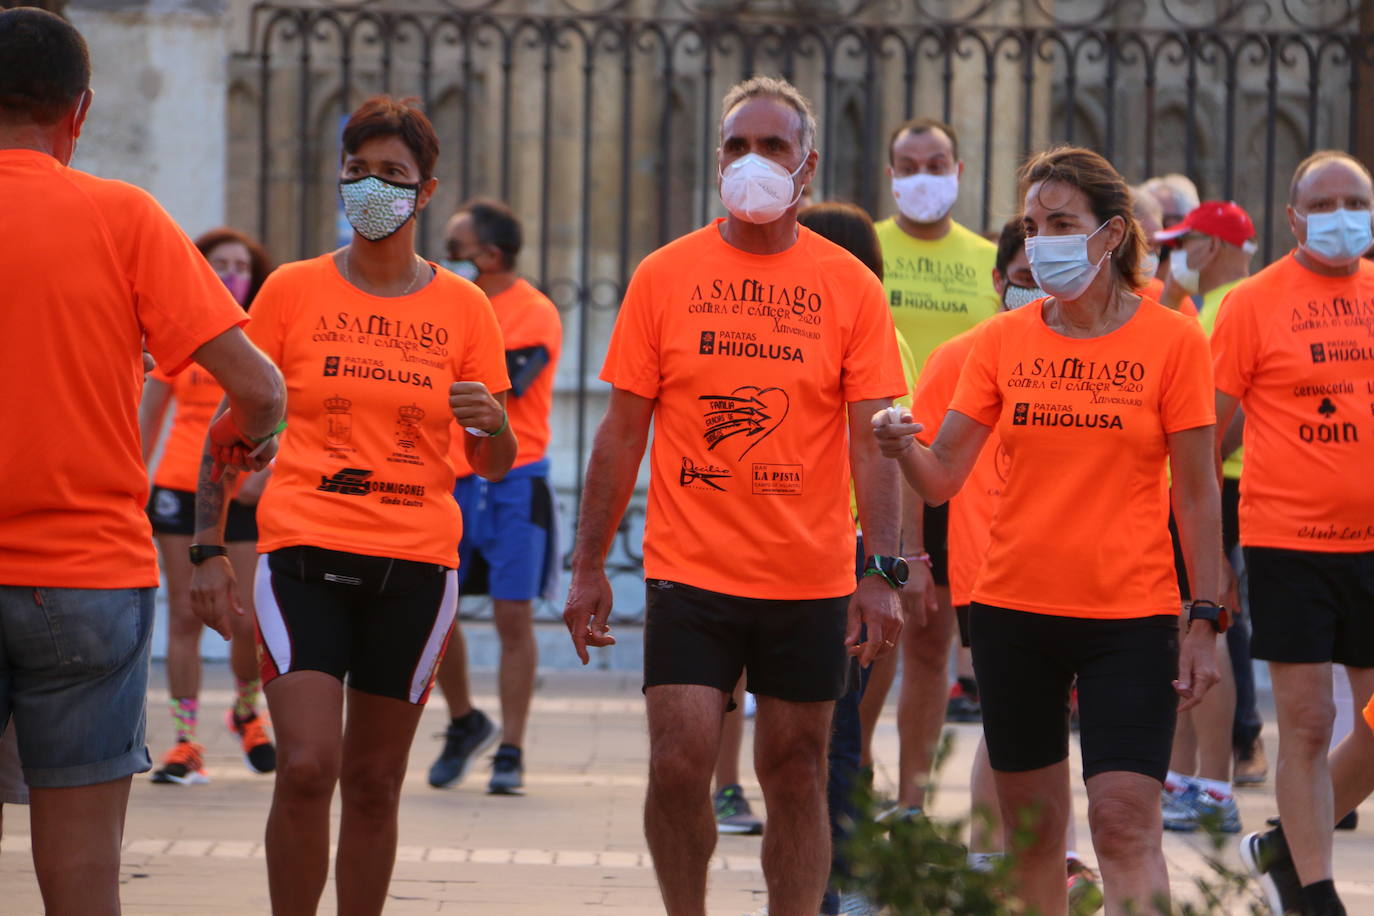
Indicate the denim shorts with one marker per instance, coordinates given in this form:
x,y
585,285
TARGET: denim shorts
x,y
74,674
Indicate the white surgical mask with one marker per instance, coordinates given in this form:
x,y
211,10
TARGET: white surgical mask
x,y
1184,274
1016,296
756,189
1149,265
926,198
466,268
1060,263
1337,238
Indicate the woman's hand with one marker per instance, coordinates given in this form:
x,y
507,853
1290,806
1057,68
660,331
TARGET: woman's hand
x,y
895,430
1197,664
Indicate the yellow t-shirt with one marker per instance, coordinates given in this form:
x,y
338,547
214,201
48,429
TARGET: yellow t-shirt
x,y
1211,304
939,289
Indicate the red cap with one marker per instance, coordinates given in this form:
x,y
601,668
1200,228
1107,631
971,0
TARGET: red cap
x,y
1222,219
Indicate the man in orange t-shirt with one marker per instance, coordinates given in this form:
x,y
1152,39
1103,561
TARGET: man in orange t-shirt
x,y
760,351
507,550
93,271
1294,345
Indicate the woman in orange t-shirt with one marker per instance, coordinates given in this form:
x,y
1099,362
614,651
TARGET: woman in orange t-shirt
x,y
358,529
1094,392
243,266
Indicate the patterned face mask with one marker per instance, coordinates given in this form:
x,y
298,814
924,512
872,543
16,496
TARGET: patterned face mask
x,y
375,207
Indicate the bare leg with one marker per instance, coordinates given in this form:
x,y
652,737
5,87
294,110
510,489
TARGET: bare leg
x,y
880,677
183,627
1038,800
921,704
679,823
307,713
77,834
1212,722
1352,762
376,746
1183,759
243,651
985,830
1302,696
731,741
453,674
790,742
1126,823
519,661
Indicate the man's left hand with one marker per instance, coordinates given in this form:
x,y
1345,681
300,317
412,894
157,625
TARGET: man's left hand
x,y
875,606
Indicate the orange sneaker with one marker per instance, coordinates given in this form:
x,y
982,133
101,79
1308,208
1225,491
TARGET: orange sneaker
x,y
259,755
183,765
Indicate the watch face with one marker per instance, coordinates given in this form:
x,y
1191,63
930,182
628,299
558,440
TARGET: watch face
x,y
900,570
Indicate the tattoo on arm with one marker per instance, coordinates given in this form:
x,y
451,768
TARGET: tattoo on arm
x,y
212,504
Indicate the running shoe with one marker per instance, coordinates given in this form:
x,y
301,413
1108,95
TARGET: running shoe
x,y
507,772
183,765
1085,892
1252,766
1199,807
733,814
1267,858
464,739
1350,822
962,707
856,904
258,753
898,814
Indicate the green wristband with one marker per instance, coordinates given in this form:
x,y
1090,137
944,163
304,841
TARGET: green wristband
x,y
280,426
483,434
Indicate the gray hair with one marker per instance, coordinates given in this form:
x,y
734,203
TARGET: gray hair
x,y
1178,188
783,91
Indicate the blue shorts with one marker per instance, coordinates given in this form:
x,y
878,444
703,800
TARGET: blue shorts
x,y
507,533
74,674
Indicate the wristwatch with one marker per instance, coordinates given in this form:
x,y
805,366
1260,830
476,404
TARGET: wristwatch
x,y
1210,611
893,570
202,552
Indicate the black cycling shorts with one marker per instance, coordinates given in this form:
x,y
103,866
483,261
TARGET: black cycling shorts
x,y
936,532
379,624
792,650
1026,664
174,512
1308,607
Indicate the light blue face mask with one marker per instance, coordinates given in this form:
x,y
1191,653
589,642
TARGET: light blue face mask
x,y
1339,237
1060,263
466,268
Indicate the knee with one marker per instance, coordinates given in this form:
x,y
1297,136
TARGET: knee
x,y
928,646
514,622
373,793
183,624
1309,735
676,772
1125,829
798,771
306,777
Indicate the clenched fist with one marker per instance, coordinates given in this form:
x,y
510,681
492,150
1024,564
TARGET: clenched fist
x,y
474,406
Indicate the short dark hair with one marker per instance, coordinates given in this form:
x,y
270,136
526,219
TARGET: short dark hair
x,y
848,226
259,264
1009,244
496,224
920,126
383,116
1318,158
44,66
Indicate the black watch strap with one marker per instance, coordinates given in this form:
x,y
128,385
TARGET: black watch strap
x,y
202,552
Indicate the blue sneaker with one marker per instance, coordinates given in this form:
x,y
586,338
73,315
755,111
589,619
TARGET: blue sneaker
x,y
1198,807
464,739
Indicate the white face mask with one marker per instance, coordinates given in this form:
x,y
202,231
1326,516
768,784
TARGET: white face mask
x,y
1149,265
1189,278
1016,296
756,189
926,198
1338,238
1060,263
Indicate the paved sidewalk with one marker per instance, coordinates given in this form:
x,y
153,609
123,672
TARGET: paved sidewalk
x,y
572,844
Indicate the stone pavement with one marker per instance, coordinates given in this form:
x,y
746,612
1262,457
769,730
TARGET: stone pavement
x,y
572,844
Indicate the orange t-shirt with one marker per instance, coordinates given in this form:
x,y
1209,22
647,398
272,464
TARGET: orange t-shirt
x,y
527,319
752,360
972,508
195,395
91,269
1082,529
1297,348
1369,712
363,466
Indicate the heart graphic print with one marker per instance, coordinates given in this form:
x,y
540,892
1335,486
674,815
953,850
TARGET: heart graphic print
x,y
740,420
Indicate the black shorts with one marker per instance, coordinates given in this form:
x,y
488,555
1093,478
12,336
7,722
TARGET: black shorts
x,y
1026,664
936,532
1230,534
961,617
1308,607
174,512
379,624
792,650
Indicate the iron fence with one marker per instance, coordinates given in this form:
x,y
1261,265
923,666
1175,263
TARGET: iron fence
x,y
597,122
